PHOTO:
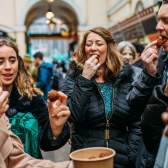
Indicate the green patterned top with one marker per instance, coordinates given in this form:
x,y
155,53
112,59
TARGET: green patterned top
x,y
106,92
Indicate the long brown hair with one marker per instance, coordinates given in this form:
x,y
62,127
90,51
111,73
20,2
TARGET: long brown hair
x,y
114,60
24,82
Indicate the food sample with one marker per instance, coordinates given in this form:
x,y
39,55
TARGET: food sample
x,y
101,155
160,41
104,154
92,157
53,95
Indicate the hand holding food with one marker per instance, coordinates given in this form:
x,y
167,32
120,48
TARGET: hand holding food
x,y
90,67
58,111
3,101
150,58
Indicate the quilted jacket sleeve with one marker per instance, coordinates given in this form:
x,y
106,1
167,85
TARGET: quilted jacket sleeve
x,y
152,125
140,92
78,91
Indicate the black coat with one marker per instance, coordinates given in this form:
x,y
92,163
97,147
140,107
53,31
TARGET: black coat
x,y
148,98
38,108
88,115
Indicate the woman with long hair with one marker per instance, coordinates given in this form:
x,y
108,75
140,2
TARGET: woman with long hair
x,y
97,90
128,51
27,110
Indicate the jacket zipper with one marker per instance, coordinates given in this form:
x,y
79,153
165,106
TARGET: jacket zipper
x,y
107,131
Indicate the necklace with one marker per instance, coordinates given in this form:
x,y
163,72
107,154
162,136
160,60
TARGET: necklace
x,y
108,117
107,94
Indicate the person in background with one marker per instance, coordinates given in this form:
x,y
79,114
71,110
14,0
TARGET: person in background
x,y
34,72
59,73
44,73
139,49
149,94
73,66
128,51
100,115
27,62
35,127
12,154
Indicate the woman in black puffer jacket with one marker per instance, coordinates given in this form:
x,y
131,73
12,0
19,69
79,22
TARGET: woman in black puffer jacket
x,y
97,92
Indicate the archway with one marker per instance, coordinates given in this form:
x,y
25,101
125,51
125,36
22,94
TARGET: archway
x,y
55,40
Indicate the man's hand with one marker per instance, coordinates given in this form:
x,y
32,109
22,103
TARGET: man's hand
x,y
90,67
150,58
58,114
165,120
166,90
3,101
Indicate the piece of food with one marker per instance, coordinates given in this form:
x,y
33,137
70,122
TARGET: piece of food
x,y
101,155
92,157
104,154
160,41
53,95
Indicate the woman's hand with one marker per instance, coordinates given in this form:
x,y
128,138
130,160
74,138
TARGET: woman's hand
x,y
3,101
90,67
58,114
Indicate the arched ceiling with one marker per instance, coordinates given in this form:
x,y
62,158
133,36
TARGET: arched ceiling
x,y
61,9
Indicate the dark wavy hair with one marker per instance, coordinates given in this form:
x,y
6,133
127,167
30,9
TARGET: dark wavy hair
x,y
24,82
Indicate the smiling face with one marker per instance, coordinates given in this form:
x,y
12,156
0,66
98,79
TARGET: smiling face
x,y
96,45
128,55
8,65
162,25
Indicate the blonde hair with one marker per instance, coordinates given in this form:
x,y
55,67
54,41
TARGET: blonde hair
x,y
114,59
24,82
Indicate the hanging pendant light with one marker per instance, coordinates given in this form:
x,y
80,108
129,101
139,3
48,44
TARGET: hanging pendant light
x,y
50,16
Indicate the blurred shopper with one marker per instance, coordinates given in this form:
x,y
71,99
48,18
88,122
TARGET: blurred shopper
x,y
34,72
59,73
44,73
27,63
139,49
73,65
55,78
149,95
128,51
100,114
27,105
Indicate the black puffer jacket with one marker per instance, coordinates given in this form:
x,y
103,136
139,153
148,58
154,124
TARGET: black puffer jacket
x,y
148,98
88,115
38,108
